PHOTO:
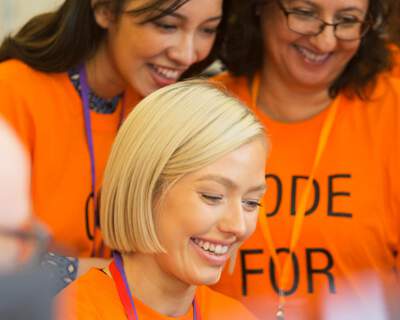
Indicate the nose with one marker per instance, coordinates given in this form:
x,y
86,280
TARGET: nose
x,y
325,41
184,52
233,221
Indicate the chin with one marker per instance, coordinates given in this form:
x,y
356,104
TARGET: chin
x,y
144,91
209,278
313,81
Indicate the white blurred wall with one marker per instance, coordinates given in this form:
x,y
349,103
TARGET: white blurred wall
x,y
14,13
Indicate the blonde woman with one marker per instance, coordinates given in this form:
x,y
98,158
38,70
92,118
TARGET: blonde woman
x,y
181,191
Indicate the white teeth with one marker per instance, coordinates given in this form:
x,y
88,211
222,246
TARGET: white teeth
x,y
311,56
217,249
221,249
167,73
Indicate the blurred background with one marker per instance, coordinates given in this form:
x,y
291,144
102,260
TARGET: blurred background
x,y
13,13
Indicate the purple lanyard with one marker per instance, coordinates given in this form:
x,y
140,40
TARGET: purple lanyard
x,y
119,277
88,129
85,93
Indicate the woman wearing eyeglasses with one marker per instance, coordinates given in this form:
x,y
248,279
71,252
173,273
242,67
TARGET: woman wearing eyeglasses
x,y
315,73
67,80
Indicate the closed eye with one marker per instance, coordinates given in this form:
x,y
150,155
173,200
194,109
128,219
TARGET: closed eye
x,y
302,12
211,198
348,20
251,205
168,27
210,31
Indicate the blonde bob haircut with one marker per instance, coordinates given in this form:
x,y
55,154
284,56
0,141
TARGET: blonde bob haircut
x,y
173,131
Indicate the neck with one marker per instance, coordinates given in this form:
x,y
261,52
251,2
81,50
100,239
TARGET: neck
x,y
288,102
102,77
155,288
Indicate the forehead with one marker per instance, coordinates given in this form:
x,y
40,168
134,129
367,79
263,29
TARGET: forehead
x,y
240,167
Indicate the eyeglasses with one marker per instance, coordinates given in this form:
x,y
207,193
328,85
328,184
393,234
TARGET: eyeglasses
x,y
307,24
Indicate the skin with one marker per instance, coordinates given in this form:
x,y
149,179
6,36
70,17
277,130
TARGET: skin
x,y
305,66
218,203
148,56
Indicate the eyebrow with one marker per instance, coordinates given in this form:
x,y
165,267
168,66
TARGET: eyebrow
x,y
229,183
305,1
353,9
313,4
182,17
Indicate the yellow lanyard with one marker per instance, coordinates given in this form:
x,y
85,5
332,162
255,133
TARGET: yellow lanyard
x,y
300,213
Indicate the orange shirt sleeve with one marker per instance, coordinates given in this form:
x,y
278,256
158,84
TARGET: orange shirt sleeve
x,y
13,108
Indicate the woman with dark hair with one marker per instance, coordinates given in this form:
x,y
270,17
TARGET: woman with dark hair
x,y
69,77
315,72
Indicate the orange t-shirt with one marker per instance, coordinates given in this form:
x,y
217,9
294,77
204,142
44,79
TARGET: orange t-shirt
x,y
346,259
46,112
94,296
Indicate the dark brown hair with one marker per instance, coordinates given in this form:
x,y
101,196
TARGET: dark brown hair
x,y
242,51
59,40
394,22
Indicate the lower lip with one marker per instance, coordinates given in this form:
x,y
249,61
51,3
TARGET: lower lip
x,y
159,80
212,259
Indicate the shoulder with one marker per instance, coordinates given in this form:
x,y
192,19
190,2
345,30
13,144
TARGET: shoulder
x,y
387,86
91,295
382,98
15,73
31,94
16,69
215,305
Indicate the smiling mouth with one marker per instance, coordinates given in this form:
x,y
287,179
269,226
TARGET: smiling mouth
x,y
166,73
312,57
210,247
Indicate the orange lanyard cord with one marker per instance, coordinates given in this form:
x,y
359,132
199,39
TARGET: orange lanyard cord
x,y
300,212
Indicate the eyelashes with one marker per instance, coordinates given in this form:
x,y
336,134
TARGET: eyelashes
x,y
216,199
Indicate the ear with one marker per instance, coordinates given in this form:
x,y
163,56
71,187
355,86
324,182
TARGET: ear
x,y
102,13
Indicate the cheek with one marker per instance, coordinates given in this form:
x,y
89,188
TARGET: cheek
x,y
251,223
276,44
148,46
203,47
136,43
273,26
350,48
184,224
201,222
